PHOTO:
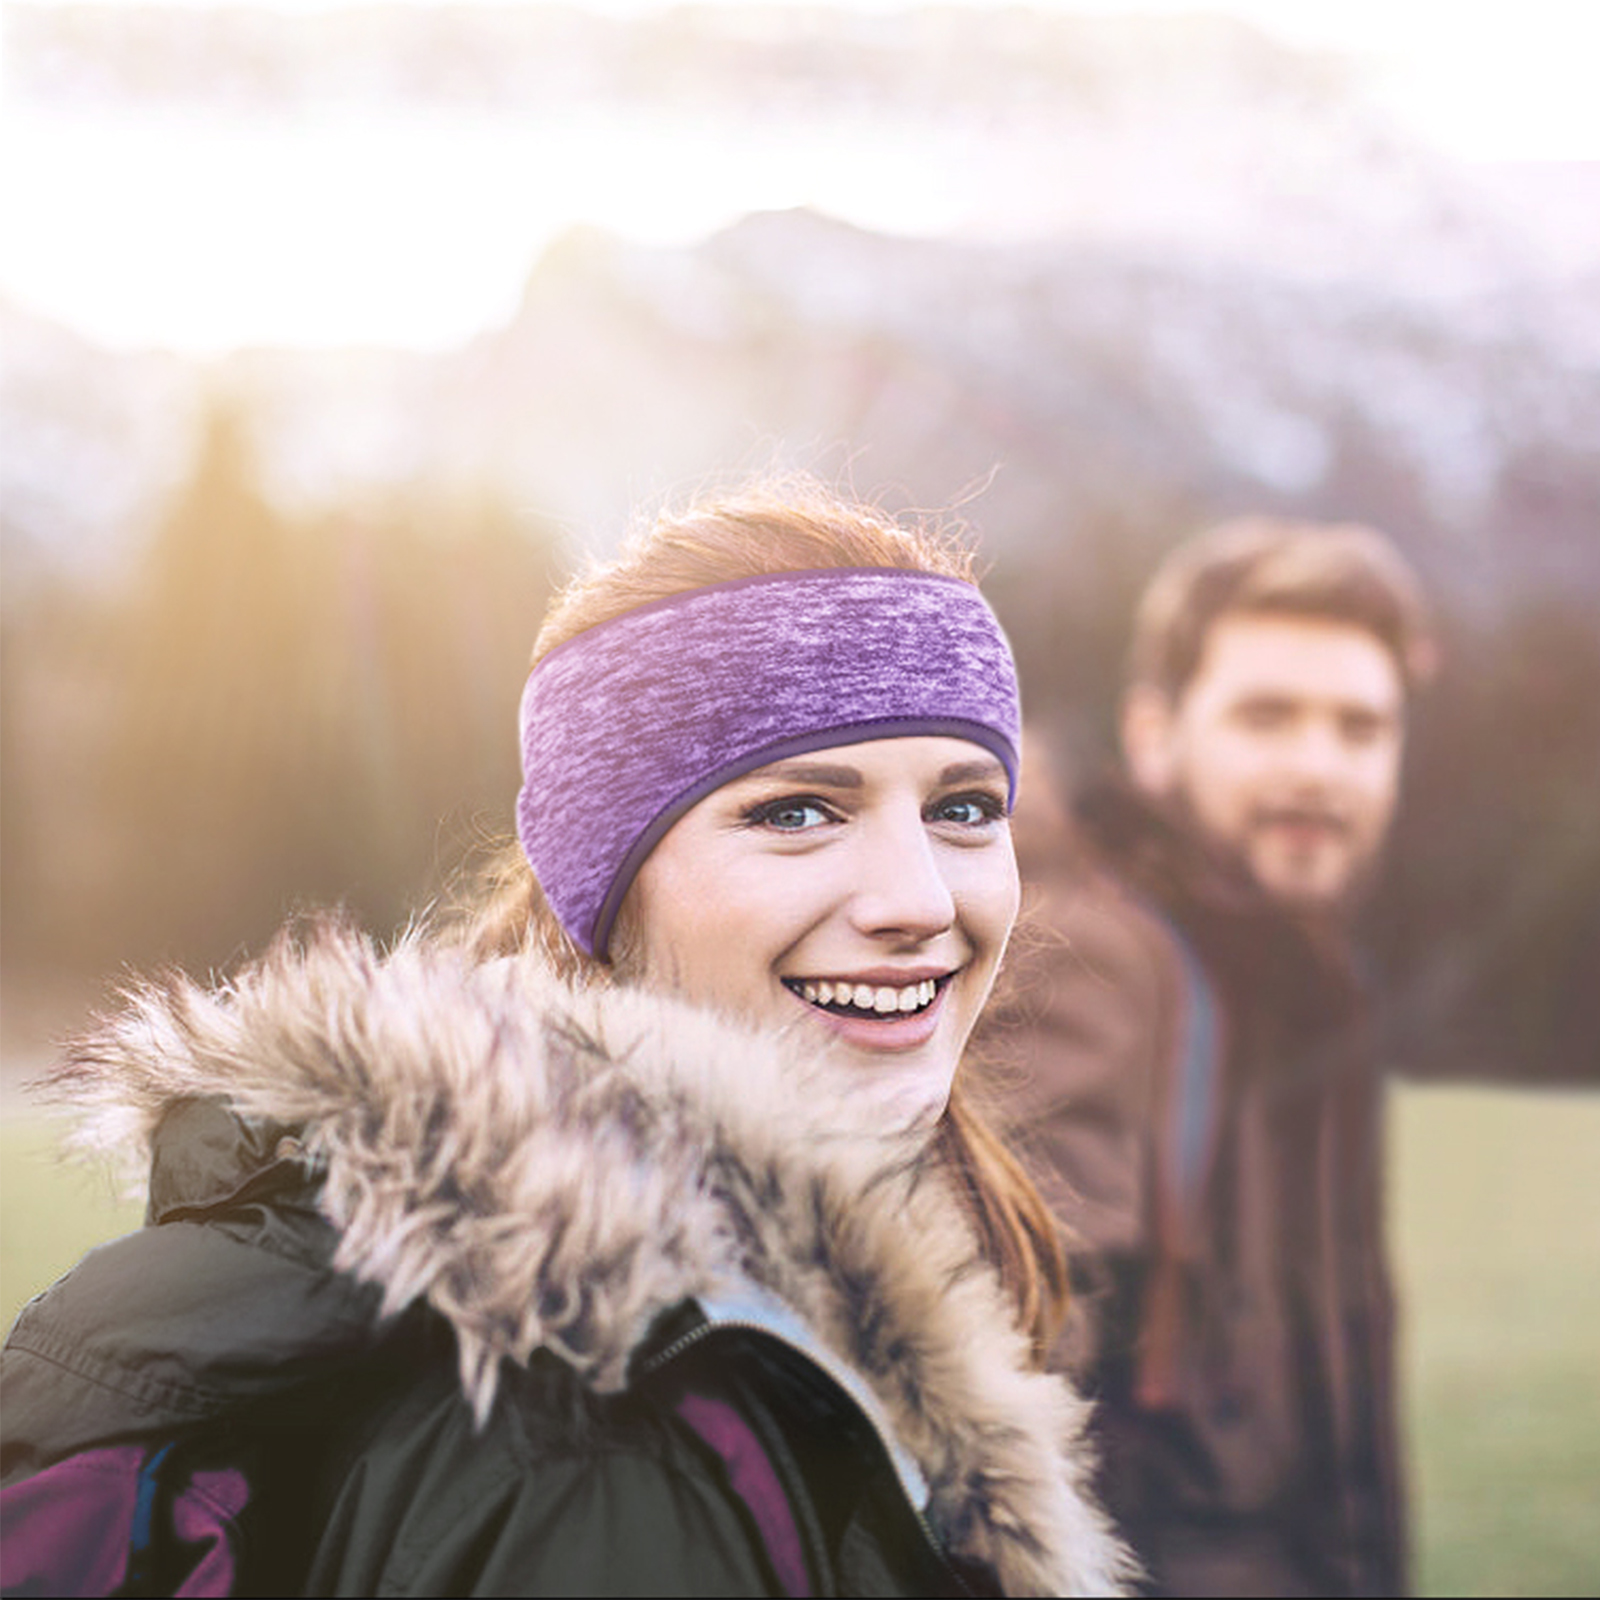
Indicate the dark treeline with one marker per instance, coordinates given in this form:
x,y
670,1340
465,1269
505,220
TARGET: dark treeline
x,y
1489,926
279,712
275,713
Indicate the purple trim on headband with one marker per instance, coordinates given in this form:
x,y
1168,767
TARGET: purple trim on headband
x,y
802,744
627,725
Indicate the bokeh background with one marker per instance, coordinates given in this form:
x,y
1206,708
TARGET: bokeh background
x,y
334,336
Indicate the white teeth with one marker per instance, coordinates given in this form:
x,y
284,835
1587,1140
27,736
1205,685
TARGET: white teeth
x,y
881,998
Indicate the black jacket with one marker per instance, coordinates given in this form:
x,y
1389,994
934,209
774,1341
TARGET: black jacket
x,y
458,1282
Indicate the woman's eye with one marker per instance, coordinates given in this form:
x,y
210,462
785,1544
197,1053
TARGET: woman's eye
x,y
791,815
970,810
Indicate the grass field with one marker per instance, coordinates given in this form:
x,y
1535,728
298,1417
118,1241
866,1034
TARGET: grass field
x,y
1495,1207
1495,1210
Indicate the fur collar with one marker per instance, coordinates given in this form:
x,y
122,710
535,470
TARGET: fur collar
x,y
555,1168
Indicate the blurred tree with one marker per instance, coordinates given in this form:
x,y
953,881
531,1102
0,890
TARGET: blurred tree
x,y
58,646
1067,605
302,703
1489,926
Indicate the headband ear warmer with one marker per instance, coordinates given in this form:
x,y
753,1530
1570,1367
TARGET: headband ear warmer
x,y
630,723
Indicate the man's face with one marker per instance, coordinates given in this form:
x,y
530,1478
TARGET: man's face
x,y
1285,749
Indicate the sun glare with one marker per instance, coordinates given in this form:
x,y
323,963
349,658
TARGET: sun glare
x,y
203,229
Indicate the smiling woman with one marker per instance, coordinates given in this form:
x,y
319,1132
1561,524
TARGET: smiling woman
x,y
635,1234
753,628
876,891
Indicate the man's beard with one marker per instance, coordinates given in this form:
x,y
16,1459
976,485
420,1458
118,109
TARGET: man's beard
x,y
1338,904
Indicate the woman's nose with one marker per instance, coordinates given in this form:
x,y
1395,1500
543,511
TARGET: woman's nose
x,y
901,889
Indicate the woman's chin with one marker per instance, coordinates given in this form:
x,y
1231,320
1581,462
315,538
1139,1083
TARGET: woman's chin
x,y
910,1108
898,1068
897,1092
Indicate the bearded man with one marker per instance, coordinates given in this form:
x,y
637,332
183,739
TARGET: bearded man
x,y
1194,1078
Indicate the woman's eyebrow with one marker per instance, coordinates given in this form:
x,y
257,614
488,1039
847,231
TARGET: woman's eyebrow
x,y
972,772
804,772
838,777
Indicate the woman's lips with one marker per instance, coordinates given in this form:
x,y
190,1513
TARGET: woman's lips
x,y
881,1028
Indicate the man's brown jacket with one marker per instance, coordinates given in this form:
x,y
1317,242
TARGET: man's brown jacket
x,y
1187,1071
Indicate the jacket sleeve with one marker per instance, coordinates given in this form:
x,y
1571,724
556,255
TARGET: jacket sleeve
x,y
159,1396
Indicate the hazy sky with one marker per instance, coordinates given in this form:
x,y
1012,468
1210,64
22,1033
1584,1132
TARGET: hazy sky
x,y
343,228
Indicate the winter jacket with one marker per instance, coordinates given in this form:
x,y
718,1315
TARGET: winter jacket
x,y
1193,1083
456,1281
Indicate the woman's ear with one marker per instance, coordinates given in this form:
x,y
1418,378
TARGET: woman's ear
x,y
1149,738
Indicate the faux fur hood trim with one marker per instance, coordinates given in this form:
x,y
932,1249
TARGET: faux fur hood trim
x,y
555,1168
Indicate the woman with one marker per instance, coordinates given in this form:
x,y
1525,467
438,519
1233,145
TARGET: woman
x,y
639,1238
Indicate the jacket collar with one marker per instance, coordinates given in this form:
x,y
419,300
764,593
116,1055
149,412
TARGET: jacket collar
x,y
550,1168
751,1306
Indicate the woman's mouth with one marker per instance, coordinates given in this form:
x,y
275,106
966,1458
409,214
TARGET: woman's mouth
x,y
847,997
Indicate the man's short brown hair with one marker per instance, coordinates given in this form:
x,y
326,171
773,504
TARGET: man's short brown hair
x,y
1272,566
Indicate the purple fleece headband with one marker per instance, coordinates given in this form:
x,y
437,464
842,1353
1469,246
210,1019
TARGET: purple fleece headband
x,y
627,725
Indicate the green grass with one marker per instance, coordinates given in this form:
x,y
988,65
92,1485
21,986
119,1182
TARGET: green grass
x,y
51,1211
1495,1207
1495,1221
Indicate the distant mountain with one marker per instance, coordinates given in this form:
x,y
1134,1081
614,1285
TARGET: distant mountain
x,y
1188,270
1071,383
